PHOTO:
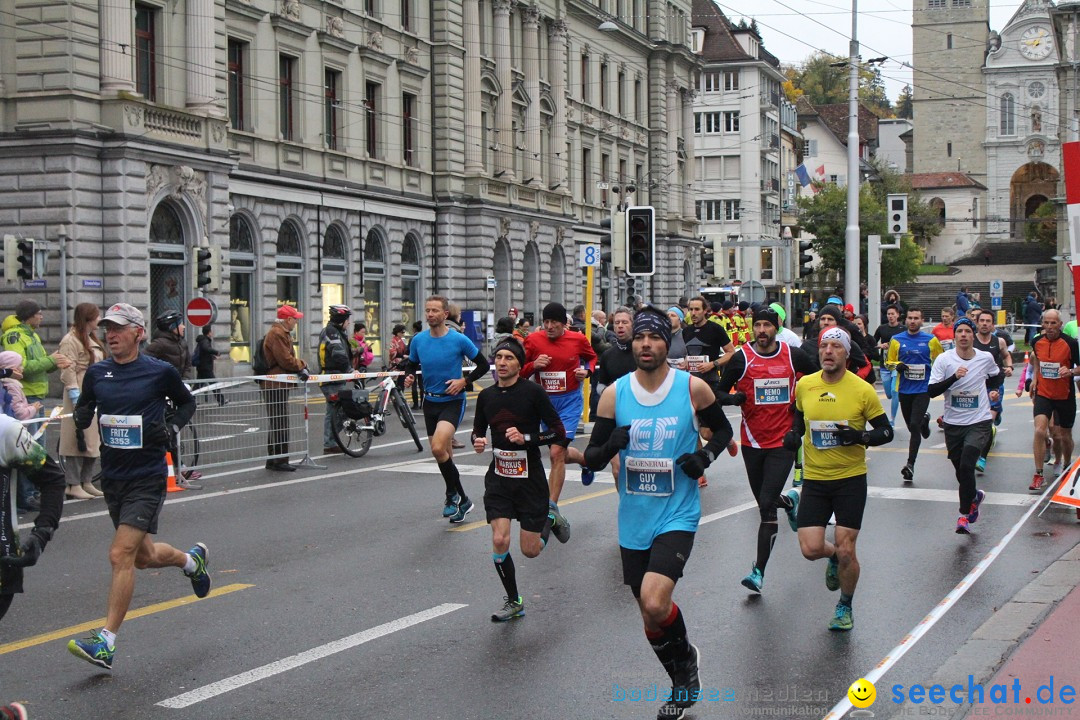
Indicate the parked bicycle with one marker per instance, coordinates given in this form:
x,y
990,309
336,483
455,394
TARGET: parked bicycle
x,y
356,421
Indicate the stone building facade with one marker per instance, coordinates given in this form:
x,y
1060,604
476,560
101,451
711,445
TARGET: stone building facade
x,y
368,153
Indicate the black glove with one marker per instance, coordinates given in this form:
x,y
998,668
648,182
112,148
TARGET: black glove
x,y
30,550
619,438
80,440
157,434
900,368
694,464
303,375
849,436
738,398
792,441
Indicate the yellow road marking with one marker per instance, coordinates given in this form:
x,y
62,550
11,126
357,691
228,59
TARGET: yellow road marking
x,y
95,624
587,496
936,451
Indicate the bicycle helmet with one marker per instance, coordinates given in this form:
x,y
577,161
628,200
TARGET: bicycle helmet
x,y
167,322
339,314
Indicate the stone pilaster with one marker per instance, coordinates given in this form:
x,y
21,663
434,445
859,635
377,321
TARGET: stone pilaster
x,y
687,98
474,100
531,57
557,48
504,114
117,50
200,58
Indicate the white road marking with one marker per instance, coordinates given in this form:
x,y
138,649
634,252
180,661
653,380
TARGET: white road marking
x,y
938,446
910,493
206,692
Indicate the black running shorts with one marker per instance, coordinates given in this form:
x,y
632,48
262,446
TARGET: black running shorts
x,y
522,499
1063,411
452,411
667,556
821,499
135,503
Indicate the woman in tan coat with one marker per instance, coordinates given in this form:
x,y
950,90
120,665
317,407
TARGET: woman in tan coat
x,y
83,349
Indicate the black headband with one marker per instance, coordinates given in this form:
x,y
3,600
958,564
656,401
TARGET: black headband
x,y
654,322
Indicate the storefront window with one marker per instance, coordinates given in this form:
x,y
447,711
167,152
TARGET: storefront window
x,y
241,267
374,287
410,281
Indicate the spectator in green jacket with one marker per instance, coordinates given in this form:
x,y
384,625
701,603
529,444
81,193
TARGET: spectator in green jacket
x,y
21,336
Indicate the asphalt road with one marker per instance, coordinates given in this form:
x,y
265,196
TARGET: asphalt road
x,y
342,593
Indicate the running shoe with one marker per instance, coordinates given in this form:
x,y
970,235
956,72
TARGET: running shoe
x,y
511,609
980,465
685,682
793,511
14,711
908,473
843,619
560,526
1036,483
924,430
993,432
200,578
94,649
974,514
1049,450
461,511
587,476
962,523
832,574
754,580
797,479
451,505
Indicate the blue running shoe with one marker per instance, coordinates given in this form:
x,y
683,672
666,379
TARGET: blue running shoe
x,y
793,511
974,514
587,476
200,579
451,505
980,465
461,511
754,580
842,620
94,649
962,525
832,575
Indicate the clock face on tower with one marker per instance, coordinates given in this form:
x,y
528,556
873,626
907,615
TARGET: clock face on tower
x,y
1036,42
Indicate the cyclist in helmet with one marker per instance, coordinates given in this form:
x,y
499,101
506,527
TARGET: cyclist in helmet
x,y
335,356
168,342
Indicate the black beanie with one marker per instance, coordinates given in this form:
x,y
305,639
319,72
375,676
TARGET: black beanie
x,y
727,305
768,315
26,309
513,346
743,306
554,311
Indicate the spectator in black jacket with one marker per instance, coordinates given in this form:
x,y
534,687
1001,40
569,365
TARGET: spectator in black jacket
x,y
168,342
205,355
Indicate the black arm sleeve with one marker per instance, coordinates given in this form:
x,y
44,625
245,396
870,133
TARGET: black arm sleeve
x,y
598,455
995,381
732,372
713,417
176,391
555,433
480,423
49,479
798,422
938,388
84,409
802,362
481,369
882,432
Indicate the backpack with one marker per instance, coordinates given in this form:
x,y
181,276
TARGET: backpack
x,y
259,366
196,356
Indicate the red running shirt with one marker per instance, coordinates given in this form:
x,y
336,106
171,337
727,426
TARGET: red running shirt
x,y
569,352
769,384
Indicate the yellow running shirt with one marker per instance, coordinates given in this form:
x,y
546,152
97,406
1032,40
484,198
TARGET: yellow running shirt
x,y
852,402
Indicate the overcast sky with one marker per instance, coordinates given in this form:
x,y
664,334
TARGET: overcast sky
x,y
793,29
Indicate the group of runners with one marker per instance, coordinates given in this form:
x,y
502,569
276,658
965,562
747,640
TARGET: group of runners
x,y
659,424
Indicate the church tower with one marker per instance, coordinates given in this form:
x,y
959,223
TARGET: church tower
x,y
949,43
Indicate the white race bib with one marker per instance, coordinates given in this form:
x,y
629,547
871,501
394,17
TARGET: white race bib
x,y
964,400
511,463
693,362
1050,370
650,476
553,382
947,344
823,433
772,391
915,372
121,432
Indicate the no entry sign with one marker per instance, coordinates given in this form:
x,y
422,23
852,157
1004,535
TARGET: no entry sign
x,y
201,311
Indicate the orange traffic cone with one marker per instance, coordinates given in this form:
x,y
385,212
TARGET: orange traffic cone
x,y
172,486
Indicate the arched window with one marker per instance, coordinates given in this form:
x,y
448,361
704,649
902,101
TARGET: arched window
x,y
502,269
558,274
410,280
531,267
168,258
165,226
938,205
334,267
1008,114
375,288
290,265
241,285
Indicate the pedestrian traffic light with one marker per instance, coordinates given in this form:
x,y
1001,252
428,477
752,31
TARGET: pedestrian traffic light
x,y
202,267
897,205
708,259
640,240
805,258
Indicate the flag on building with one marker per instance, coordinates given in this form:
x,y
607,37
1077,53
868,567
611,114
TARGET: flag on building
x,y
803,175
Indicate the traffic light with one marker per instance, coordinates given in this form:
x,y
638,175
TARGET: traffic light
x,y
805,258
708,261
897,205
215,269
18,259
641,240
202,267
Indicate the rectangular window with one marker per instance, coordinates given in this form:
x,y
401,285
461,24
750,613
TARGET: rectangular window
x,y
332,100
948,149
833,179
731,80
287,96
371,107
732,268
237,81
603,86
584,77
731,121
408,128
948,41
369,8
586,174
936,4
406,15
961,3
766,263
621,94
146,51
605,168
731,209
637,100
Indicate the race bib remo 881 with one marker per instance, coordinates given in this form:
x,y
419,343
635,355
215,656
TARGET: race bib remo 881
x,y
772,391
122,432
650,476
